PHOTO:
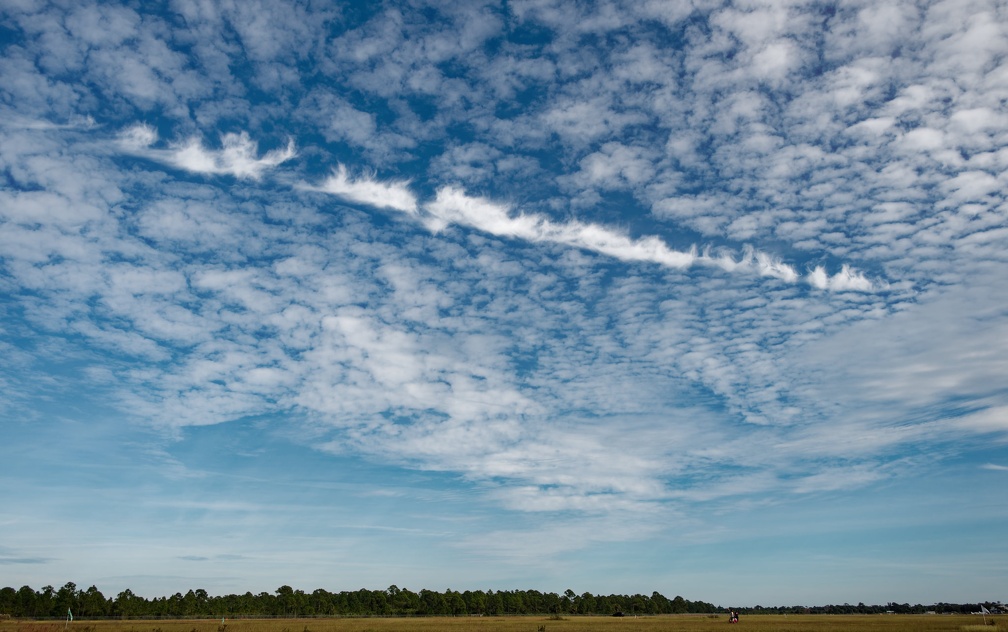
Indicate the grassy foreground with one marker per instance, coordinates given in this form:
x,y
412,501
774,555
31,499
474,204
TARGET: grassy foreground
x,y
671,623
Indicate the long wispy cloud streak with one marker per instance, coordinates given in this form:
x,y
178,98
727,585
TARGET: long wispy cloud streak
x,y
452,206
370,191
237,155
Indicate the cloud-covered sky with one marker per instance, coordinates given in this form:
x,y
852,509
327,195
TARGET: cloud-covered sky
x,y
704,297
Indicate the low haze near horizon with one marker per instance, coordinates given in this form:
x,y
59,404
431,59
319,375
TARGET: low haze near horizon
x,y
705,298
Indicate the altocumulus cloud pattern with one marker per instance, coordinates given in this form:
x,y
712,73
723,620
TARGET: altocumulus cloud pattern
x,y
700,297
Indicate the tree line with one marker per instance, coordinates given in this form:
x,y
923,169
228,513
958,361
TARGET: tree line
x,y
888,608
49,602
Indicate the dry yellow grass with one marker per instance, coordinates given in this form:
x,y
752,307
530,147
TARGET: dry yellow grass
x,y
671,623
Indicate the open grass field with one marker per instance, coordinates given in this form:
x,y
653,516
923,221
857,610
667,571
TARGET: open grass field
x,y
670,623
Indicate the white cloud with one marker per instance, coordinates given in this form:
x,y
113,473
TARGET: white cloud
x,y
775,60
367,190
844,280
139,137
975,120
581,122
908,370
453,206
988,420
617,166
236,157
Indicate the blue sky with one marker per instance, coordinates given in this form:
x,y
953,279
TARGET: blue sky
x,y
700,297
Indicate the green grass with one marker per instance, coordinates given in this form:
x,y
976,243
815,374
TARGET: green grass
x,y
670,623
